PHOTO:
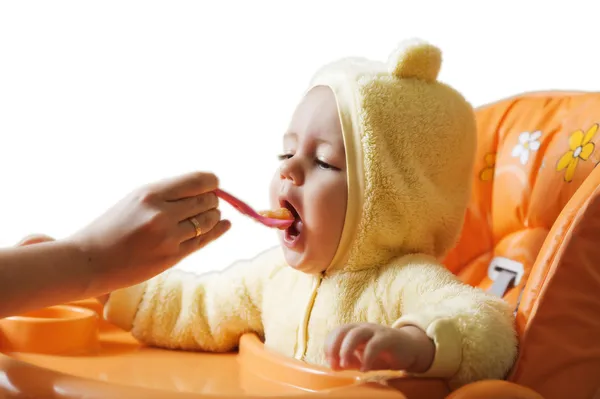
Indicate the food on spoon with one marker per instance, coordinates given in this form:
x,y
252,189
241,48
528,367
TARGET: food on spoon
x,y
280,218
281,214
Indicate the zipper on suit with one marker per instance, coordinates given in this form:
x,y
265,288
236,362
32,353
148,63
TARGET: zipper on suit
x,y
302,337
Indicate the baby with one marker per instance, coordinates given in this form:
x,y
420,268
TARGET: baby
x,y
376,169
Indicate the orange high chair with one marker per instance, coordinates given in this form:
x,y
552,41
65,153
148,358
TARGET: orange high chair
x,y
531,235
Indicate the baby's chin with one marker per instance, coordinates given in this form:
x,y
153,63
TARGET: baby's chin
x,y
298,260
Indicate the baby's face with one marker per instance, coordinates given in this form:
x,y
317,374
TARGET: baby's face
x,y
311,182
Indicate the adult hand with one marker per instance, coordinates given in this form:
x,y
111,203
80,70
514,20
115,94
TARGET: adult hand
x,y
151,230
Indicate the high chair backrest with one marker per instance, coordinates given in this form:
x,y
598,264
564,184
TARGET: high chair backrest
x,y
532,233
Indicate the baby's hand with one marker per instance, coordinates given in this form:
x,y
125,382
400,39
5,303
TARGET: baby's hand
x,y
367,346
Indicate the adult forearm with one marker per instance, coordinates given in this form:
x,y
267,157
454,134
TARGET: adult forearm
x,y
36,276
139,237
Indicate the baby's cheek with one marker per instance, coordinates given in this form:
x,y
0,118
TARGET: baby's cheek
x,y
324,221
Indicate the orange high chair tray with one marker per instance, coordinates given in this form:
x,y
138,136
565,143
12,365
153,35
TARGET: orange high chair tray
x,y
69,352
531,236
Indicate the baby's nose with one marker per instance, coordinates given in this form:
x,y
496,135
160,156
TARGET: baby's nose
x,y
290,171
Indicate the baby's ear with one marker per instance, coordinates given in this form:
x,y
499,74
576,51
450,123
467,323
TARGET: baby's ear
x,y
417,59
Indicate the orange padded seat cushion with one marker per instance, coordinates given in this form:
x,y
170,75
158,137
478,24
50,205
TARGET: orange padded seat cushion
x,y
534,151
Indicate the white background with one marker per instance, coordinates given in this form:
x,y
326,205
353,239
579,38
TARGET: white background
x,y
97,98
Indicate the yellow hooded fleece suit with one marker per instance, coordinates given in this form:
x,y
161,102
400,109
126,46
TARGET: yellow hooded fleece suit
x,y
410,143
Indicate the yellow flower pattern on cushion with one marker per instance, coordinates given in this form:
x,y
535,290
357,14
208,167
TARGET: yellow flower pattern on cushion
x,y
487,173
580,147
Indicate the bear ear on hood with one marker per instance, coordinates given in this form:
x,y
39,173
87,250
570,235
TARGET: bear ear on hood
x,y
415,59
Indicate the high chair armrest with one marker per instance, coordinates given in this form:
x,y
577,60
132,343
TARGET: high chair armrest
x,y
494,389
560,303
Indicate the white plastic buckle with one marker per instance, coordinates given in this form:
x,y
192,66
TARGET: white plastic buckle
x,y
500,263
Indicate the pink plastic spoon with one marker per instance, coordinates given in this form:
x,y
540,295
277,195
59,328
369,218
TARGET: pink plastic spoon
x,y
248,211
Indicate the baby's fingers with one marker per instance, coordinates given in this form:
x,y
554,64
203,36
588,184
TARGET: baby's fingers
x,y
334,343
377,354
354,340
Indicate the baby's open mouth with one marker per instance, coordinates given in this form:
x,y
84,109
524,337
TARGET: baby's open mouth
x,y
294,231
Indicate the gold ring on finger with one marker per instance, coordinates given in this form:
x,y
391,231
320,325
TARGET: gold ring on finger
x,y
196,226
